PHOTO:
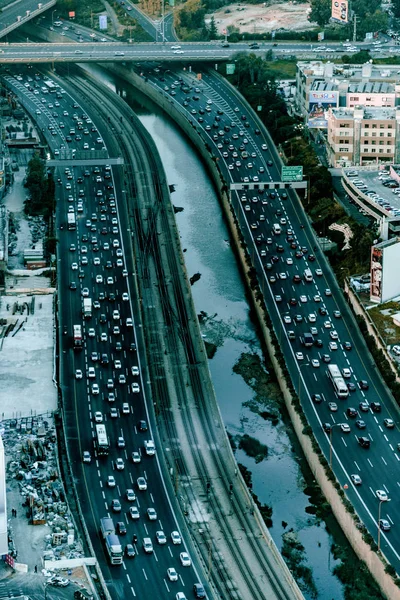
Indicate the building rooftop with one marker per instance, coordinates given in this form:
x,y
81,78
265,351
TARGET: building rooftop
x,y
372,87
366,113
351,73
320,85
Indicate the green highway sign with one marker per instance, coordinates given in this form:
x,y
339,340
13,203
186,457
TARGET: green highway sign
x,y
292,174
230,68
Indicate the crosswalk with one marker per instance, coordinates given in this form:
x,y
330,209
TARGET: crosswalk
x,y
6,592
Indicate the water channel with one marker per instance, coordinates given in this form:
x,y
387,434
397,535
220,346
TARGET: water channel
x,y
278,480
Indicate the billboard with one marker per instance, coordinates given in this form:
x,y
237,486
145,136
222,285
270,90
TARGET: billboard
x,y
292,173
318,105
103,22
340,11
376,275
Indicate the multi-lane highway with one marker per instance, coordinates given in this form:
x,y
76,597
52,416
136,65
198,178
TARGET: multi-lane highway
x,y
104,382
20,12
283,249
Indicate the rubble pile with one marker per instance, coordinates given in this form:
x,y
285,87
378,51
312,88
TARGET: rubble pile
x,y
30,446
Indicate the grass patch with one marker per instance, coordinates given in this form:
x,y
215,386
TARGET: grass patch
x,y
284,69
381,316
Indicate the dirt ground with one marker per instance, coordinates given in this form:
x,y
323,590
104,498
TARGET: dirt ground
x,y
262,18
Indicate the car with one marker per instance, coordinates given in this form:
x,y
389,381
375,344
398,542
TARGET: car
x,y
199,591
117,364
116,505
78,374
346,373
376,407
326,358
86,457
142,426
121,528
299,355
327,427
134,513
317,398
161,537
74,266
356,479
333,346
332,406
364,442
120,442
95,390
130,551
364,406
389,423
103,337
111,481
333,334
172,574
94,357
98,417
384,524
282,276
72,285
318,272
99,278
116,315
152,514
176,538
347,346
142,484
129,322
363,384
110,384
345,428
351,412
136,458
337,314
289,261
121,379
185,559
91,332
180,596
287,319
328,292
57,581
327,324
360,424
315,363
91,373
382,495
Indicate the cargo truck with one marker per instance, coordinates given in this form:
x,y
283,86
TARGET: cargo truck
x,y
87,308
71,221
78,337
111,541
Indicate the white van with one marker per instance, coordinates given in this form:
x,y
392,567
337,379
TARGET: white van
x,y
308,276
276,228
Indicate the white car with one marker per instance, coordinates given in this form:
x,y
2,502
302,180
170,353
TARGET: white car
x,y
172,574
289,261
176,47
103,337
91,332
142,484
315,363
111,481
178,51
98,417
346,373
136,458
130,495
303,299
125,297
78,374
299,356
381,495
185,559
99,278
317,298
176,538
95,390
117,364
152,514
134,512
135,388
135,371
287,319
129,322
327,324
74,266
116,315
282,276
332,406
119,464
91,373
312,318
333,346
318,272
345,428
356,479
334,334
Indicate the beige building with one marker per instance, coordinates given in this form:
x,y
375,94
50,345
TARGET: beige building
x,y
363,136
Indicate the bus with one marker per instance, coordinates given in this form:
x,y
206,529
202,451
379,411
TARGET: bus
x,y
102,444
52,87
338,382
71,221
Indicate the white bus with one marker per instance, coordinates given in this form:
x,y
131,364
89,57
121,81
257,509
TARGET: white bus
x,y
102,443
337,380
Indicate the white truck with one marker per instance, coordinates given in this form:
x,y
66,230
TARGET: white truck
x,y
87,308
149,447
111,541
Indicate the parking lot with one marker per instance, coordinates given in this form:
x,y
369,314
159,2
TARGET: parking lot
x,y
386,198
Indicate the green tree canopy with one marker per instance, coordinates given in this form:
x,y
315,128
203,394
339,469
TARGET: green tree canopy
x,y
320,12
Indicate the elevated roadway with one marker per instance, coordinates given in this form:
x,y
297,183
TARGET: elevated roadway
x,y
21,12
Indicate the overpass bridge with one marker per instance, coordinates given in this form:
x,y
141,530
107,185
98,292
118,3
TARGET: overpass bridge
x,y
19,13
31,53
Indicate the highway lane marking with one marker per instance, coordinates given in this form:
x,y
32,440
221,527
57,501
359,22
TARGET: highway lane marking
x,y
170,551
128,578
384,461
344,442
155,556
357,467
391,447
386,489
145,576
166,585
385,436
370,463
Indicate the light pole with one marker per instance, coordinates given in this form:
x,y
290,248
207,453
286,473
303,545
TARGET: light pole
x,y
52,17
379,518
330,442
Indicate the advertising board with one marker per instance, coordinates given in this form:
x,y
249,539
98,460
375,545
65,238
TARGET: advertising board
x,y
340,11
318,105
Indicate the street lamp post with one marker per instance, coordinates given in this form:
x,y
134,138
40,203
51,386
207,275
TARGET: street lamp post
x,y
52,17
330,443
379,518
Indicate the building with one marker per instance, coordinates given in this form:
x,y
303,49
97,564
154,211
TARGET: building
x,y
343,86
362,136
385,258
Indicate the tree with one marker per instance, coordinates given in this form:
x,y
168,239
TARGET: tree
x,y
320,12
213,31
396,8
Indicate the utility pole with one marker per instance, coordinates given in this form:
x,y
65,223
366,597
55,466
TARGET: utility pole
x,y
355,27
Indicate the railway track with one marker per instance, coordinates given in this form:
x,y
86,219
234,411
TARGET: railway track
x,y
171,295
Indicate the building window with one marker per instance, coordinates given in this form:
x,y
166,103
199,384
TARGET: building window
x,y
381,134
389,127
381,143
380,150
373,126
366,134
374,134
373,150
381,126
366,126
388,151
